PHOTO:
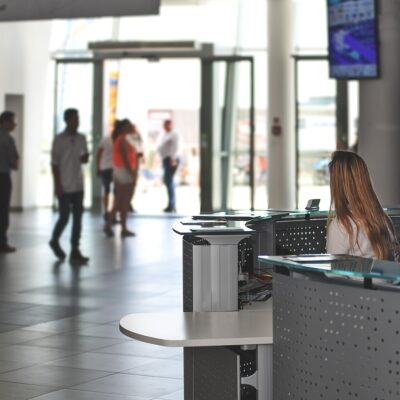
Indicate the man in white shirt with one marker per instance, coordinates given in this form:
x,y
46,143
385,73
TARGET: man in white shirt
x,y
68,153
168,150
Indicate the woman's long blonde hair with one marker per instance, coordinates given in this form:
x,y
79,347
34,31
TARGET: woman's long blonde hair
x,y
354,199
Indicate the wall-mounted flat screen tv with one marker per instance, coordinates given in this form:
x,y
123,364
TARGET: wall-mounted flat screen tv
x,y
353,39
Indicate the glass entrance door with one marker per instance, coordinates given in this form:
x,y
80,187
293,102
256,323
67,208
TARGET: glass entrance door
x,y
227,134
148,93
227,138
316,129
73,89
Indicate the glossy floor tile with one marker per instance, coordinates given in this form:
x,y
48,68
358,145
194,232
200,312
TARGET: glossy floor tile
x,y
137,385
159,368
51,375
59,334
104,362
140,349
20,391
67,394
174,396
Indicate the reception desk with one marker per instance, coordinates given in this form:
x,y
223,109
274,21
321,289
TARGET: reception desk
x,y
331,316
227,344
336,328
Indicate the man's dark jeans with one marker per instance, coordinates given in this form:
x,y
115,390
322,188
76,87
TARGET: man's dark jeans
x,y
169,172
5,198
67,203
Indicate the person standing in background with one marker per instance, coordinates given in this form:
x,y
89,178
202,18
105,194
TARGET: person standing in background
x,y
168,150
149,162
9,159
134,138
124,172
68,153
104,169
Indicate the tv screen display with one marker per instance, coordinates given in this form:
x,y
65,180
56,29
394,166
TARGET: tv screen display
x,y
353,42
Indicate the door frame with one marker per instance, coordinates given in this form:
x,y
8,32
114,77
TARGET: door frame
x,y
206,133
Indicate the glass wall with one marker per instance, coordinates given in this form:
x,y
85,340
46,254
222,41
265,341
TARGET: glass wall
x,y
316,121
310,34
316,103
245,32
148,94
146,88
74,90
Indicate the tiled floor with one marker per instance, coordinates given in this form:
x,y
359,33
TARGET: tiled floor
x,y
59,336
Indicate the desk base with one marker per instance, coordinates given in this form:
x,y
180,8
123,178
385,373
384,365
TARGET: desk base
x,y
223,373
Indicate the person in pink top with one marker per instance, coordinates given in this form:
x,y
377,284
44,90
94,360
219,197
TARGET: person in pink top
x,y
124,158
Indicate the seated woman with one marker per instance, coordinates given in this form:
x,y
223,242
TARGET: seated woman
x,y
357,224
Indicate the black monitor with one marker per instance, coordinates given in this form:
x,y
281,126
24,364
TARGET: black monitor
x,y
353,39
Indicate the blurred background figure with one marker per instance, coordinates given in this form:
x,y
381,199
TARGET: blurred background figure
x,y
168,150
134,138
68,153
8,161
149,163
125,162
104,168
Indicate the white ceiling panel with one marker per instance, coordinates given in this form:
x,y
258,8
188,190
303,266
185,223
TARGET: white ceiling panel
x,y
19,10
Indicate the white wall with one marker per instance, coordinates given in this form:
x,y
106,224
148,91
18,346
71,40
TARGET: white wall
x,y
24,66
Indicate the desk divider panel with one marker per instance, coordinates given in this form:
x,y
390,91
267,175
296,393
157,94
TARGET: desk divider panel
x,y
211,373
198,252
189,242
300,237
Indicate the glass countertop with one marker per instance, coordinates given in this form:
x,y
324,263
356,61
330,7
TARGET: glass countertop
x,y
242,215
189,226
287,214
343,265
250,219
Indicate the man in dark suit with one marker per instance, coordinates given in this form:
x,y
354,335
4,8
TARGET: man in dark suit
x,y
8,161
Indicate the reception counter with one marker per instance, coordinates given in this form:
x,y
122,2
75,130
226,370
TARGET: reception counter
x,y
336,328
330,316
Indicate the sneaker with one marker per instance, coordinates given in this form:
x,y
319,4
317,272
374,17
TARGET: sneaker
x,y
127,233
57,250
7,249
77,256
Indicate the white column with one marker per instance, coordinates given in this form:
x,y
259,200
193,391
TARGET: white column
x,y
379,121
281,146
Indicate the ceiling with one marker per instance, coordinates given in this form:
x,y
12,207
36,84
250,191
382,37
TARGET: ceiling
x,y
20,10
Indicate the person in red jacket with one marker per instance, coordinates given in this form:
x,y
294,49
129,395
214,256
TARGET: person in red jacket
x,y
125,163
